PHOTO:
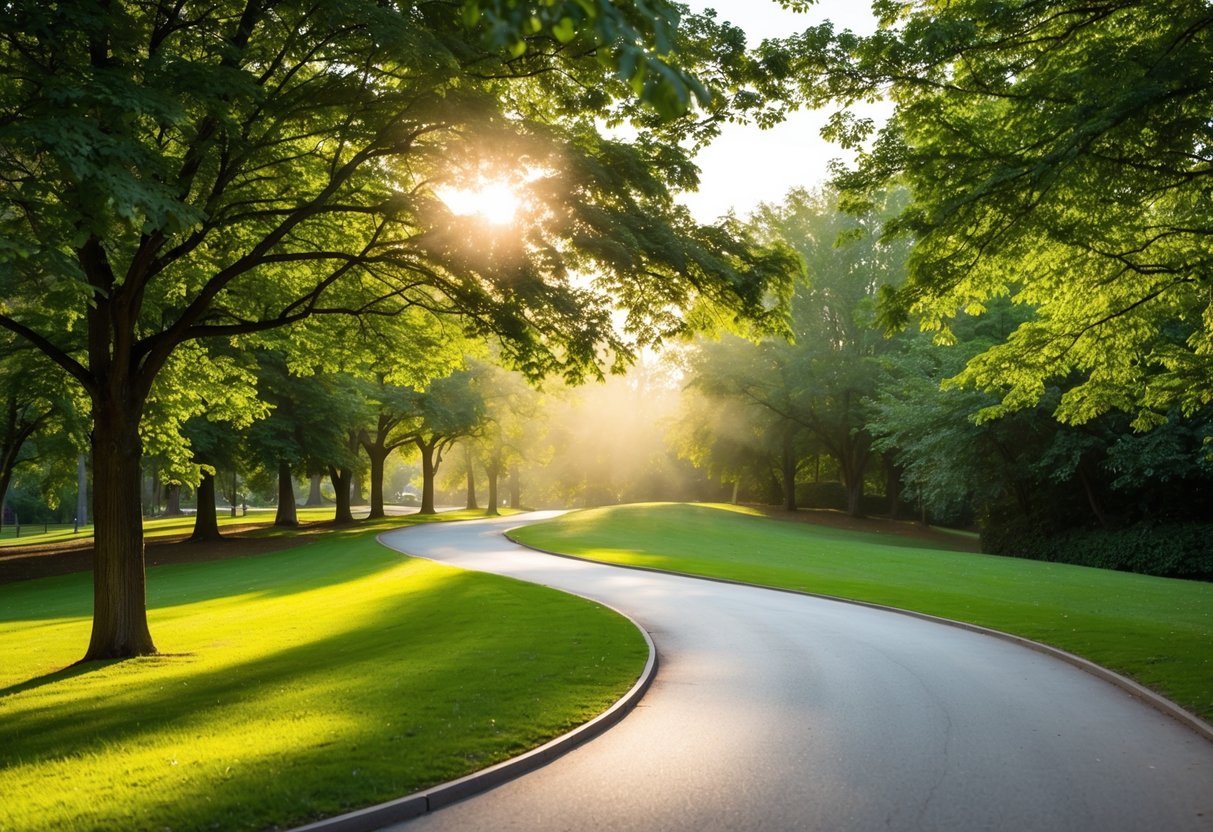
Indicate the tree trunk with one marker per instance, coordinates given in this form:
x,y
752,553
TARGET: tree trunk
x,y
789,471
157,487
172,500
1092,500
378,456
852,465
471,483
314,497
286,514
892,486
515,487
356,497
206,521
855,497
492,471
81,491
428,470
736,490
119,584
340,478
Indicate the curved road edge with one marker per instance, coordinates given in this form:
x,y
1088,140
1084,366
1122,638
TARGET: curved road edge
x,y
1152,698
435,797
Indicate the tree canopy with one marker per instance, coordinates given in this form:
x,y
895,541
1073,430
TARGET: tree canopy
x,y
173,173
1057,153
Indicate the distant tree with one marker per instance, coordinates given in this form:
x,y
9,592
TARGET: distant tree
x,y
512,416
813,390
447,410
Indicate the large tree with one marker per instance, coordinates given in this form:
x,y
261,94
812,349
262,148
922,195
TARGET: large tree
x,y
447,410
1060,153
812,392
174,172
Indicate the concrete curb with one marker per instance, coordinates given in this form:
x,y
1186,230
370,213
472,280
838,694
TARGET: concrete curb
x,y
1155,700
444,794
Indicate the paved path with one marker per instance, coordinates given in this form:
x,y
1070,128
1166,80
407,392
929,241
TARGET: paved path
x,y
772,711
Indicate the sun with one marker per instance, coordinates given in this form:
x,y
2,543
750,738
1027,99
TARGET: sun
x,y
493,201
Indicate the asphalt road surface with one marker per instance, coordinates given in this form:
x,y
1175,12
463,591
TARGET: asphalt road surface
x,y
772,711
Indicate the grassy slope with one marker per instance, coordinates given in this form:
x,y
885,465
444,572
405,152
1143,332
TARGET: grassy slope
x,y
297,684
1157,630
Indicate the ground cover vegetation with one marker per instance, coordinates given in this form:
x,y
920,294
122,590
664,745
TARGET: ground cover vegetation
x,y
1158,631
321,678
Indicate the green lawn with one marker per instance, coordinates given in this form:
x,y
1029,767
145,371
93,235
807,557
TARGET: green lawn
x,y
294,685
1156,630
155,527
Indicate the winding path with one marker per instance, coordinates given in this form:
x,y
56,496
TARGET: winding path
x,y
772,711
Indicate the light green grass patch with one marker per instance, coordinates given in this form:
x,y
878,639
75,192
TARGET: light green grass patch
x,y
295,685
1156,630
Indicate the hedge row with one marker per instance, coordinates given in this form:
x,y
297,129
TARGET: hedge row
x,y
1175,550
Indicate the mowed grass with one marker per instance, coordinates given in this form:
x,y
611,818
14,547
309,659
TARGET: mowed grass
x,y
159,527
1159,631
294,685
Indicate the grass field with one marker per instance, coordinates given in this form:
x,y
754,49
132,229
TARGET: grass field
x,y
1156,630
293,685
158,527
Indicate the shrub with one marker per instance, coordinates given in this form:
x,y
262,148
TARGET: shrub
x,y
1174,550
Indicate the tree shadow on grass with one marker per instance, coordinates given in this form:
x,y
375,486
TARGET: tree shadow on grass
x,y
62,675
389,686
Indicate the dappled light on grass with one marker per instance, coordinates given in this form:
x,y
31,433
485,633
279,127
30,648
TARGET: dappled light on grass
x,y
331,676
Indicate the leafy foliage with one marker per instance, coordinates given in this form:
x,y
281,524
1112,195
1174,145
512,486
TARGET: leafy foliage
x,y
1058,154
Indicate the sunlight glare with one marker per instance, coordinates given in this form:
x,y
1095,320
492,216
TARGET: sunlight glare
x,y
493,201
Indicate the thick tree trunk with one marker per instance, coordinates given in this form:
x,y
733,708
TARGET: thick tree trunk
x,y
788,469
157,488
314,497
378,456
892,487
206,520
172,500
119,585
852,465
493,472
340,477
471,480
428,469
515,487
286,514
81,491
855,497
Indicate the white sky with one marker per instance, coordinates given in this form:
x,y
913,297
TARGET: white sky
x,y
745,165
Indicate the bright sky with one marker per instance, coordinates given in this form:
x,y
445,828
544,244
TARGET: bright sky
x,y
746,166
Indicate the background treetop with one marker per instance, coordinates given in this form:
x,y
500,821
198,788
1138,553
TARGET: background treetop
x,y
1057,153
